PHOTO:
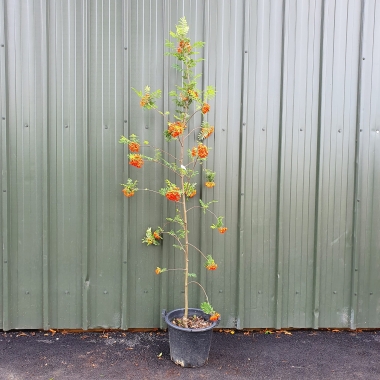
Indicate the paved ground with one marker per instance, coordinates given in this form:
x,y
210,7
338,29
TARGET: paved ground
x,y
249,355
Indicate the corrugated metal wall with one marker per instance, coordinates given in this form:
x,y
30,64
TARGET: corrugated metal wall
x,y
296,151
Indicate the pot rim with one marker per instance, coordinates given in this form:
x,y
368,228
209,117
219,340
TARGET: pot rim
x,y
201,313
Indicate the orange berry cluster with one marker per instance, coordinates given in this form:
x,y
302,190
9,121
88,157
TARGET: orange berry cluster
x,y
222,230
176,129
136,160
144,100
184,47
128,193
201,151
215,317
134,146
207,132
210,184
205,108
212,266
173,195
192,194
193,93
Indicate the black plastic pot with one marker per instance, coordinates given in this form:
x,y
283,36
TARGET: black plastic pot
x,y
188,347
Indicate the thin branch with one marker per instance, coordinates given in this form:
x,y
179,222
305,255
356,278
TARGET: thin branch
x,y
204,291
175,237
162,114
203,209
153,191
163,151
189,120
198,250
193,130
164,165
175,269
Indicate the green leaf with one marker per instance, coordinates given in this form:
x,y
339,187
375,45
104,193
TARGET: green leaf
x,y
205,206
207,308
192,275
198,44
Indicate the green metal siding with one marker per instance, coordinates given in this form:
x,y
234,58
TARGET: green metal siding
x,y
296,151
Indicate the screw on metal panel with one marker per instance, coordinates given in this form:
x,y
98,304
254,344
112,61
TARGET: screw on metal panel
x,y
106,127
182,291
27,292
125,121
124,262
243,123
339,130
360,130
356,269
363,58
3,118
263,129
4,191
297,292
145,291
66,126
5,261
105,292
370,294
355,294
26,125
125,48
220,291
259,292
241,193
334,291
301,129
245,51
358,200
146,127
2,45
67,292
223,129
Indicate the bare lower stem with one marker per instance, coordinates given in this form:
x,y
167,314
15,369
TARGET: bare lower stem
x,y
186,239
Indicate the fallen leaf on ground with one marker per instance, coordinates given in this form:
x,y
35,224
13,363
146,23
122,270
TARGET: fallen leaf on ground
x,y
52,332
21,334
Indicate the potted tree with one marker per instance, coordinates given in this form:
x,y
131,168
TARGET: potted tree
x,y
190,329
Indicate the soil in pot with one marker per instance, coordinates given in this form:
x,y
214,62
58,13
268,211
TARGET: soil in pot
x,y
193,322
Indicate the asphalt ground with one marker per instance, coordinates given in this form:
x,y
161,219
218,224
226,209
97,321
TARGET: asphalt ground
x,y
305,354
